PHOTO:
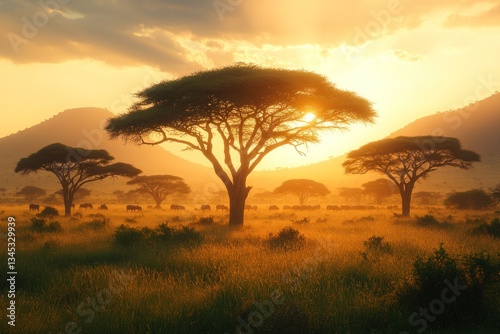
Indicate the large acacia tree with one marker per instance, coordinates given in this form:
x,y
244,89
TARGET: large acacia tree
x,y
74,167
160,186
302,188
30,193
237,115
405,160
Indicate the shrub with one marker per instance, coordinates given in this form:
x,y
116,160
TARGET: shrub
x,y
475,199
376,243
128,236
427,221
40,226
304,220
96,224
492,229
47,212
286,239
206,220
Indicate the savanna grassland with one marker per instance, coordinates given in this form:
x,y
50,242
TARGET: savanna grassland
x,y
344,272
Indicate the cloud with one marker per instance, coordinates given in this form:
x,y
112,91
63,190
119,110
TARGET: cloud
x,y
404,55
181,36
487,18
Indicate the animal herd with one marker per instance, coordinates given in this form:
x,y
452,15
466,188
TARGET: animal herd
x,y
222,207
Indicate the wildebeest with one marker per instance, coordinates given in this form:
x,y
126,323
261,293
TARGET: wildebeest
x,y
34,207
205,207
250,207
273,207
221,207
133,208
103,207
333,207
86,206
177,207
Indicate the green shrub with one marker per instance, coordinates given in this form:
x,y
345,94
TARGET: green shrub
x,y
286,239
40,226
47,212
492,229
129,236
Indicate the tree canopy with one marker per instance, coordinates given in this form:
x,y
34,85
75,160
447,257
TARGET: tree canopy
x,y
475,199
379,189
237,115
404,160
303,189
160,186
31,193
74,167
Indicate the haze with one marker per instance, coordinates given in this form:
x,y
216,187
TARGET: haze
x,y
410,58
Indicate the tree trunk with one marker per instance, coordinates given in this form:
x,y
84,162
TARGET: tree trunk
x,y
406,200
68,200
238,193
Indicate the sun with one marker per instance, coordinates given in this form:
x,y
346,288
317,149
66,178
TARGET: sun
x,y
309,117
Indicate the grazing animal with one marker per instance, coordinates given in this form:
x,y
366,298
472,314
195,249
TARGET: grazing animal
x,y
86,206
205,207
103,207
133,208
250,207
177,207
333,207
34,207
221,207
273,207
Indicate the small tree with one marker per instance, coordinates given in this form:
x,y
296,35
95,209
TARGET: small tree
x,y
380,189
303,189
30,193
495,194
235,116
74,167
351,194
476,199
405,160
160,186
427,197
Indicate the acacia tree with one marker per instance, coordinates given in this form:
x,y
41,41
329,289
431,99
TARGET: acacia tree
x,y
160,186
405,160
79,195
74,167
237,115
495,194
30,193
302,188
380,189
351,194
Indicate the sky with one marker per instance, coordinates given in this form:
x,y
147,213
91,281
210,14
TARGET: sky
x,y
409,58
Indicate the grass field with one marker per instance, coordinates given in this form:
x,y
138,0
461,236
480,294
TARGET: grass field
x,y
79,280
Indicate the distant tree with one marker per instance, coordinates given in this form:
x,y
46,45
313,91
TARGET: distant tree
x,y
476,199
74,167
303,189
79,196
405,160
235,116
160,186
351,194
495,194
427,197
31,193
2,190
380,189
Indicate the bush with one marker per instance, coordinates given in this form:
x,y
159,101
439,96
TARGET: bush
x,y
376,243
96,224
206,220
475,199
427,221
40,226
48,212
304,220
129,236
492,229
287,239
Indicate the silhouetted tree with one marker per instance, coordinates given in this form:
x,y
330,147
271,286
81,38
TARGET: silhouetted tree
x,y
351,194
160,186
30,193
79,196
380,189
74,167
302,188
237,115
405,160
427,197
476,199
495,194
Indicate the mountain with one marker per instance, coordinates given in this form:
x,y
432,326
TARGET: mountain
x,y
477,126
84,127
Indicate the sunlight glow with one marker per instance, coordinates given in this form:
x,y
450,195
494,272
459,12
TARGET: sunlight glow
x,y
308,117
